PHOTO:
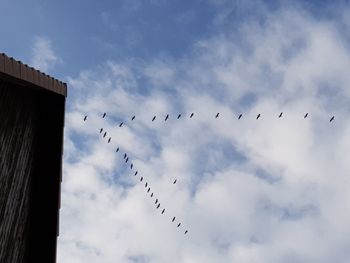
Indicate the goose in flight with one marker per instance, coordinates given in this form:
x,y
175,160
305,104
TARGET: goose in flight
x,y
101,130
125,155
131,166
257,117
154,118
117,150
191,115
146,184
127,159
331,119
179,225
133,118
178,116
156,201
166,117
149,189
175,181
186,232
136,173
173,219
104,115
121,124
109,140
141,178
217,115
306,115
152,195
85,118
158,206
163,211
104,135
240,116
279,116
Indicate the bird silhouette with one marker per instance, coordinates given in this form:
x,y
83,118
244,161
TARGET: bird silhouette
x,y
156,201
127,159
104,135
146,184
133,118
101,130
306,115
85,118
163,211
121,124
109,140
178,116
158,206
175,181
191,115
152,195
117,150
131,166
217,115
154,118
149,189
179,225
186,232
141,178
136,173
279,116
331,119
104,115
166,117
240,116
257,117
173,219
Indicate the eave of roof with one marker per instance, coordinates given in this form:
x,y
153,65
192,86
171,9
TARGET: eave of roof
x,y
16,69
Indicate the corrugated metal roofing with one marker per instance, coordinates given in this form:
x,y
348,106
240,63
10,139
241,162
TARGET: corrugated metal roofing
x,y
18,70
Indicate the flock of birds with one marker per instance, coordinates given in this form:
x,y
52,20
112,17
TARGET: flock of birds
x,y
141,178
132,167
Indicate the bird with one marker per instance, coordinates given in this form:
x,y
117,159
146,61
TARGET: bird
x,y
141,179
101,130
154,118
109,140
191,115
146,185
156,201
217,115
136,173
121,124
104,135
125,155
104,115
152,195
158,206
186,232
173,219
279,116
149,189
331,119
175,181
133,118
166,117
257,117
127,159
85,118
306,115
117,150
163,211
179,225
178,116
131,166
240,116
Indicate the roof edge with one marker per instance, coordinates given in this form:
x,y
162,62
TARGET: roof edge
x,y
17,69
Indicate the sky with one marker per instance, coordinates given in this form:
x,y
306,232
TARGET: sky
x,y
247,190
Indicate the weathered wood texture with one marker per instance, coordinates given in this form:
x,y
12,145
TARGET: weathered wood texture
x,y
17,138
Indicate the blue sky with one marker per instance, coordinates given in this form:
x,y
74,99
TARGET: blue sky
x,y
267,190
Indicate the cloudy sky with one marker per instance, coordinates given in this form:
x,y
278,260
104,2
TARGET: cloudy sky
x,y
266,190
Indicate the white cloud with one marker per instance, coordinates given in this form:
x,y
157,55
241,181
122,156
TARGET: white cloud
x,y
267,190
43,56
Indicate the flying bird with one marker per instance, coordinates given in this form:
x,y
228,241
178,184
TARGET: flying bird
x,y
166,117
104,135
191,115
104,115
133,118
141,178
179,225
131,166
158,206
257,117
154,118
85,118
136,173
146,185
173,219
178,116
175,181
217,115
163,211
125,155
240,116
117,150
186,232
331,119
306,115
279,116
109,140
156,201
127,159
149,189
152,195
101,130
121,124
